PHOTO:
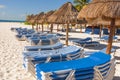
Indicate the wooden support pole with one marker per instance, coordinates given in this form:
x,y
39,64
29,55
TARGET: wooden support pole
x,y
32,26
51,28
67,30
37,27
80,28
42,27
57,27
92,29
100,31
112,30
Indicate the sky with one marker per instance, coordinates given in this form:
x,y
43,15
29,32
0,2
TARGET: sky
x,y
19,9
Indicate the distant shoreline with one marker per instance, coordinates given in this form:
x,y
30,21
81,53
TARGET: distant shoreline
x,y
11,21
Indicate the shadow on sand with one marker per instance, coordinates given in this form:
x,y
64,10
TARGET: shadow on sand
x,y
116,78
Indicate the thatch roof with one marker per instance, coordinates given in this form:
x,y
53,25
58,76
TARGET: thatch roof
x,y
45,18
32,19
39,18
29,17
106,9
100,21
66,13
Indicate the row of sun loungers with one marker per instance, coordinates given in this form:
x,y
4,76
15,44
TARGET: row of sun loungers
x,y
105,31
50,60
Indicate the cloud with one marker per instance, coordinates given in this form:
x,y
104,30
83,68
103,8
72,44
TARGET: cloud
x,y
2,6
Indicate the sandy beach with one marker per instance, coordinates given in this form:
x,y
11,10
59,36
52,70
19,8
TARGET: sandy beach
x,y
11,49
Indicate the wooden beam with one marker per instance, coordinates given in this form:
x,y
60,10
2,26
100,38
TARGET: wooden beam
x,y
100,31
111,34
37,27
32,26
80,28
67,30
51,28
42,27
57,27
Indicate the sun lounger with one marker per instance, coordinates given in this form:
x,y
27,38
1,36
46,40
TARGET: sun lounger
x,y
80,69
87,42
118,32
46,47
105,71
105,31
48,39
83,40
105,38
20,37
62,54
88,30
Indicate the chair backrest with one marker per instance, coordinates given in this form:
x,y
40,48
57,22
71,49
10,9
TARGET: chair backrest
x,y
105,71
105,31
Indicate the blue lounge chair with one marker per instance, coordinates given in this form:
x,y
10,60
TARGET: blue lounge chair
x,y
81,69
96,30
88,30
88,39
105,38
105,71
105,31
58,45
85,42
118,32
62,54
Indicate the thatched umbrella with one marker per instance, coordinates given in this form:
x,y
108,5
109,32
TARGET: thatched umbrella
x,y
66,14
30,19
45,17
39,19
108,10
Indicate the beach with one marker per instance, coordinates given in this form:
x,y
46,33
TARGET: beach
x,y
11,61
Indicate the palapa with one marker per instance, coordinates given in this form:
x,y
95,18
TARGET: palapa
x,y
66,14
30,19
107,10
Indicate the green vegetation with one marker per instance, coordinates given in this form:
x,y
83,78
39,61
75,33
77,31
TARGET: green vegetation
x,y
79,4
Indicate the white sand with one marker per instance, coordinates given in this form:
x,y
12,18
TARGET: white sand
x,y
11,53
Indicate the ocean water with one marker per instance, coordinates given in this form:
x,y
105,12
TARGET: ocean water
x,y
11,21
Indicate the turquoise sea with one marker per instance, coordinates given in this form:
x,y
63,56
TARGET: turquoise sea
x,y
11,21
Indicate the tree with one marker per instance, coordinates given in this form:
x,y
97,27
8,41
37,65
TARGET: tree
x,y
79,4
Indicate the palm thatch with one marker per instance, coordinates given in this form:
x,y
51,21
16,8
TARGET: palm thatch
x,y
40,17
46,15
66,13
108,11
29,18
32,20
100,21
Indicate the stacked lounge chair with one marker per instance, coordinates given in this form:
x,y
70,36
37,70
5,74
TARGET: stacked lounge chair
x,y
45,39
80,69
85,42
45,47
88,30
118,31
32,58
105,38
105,31
22,32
